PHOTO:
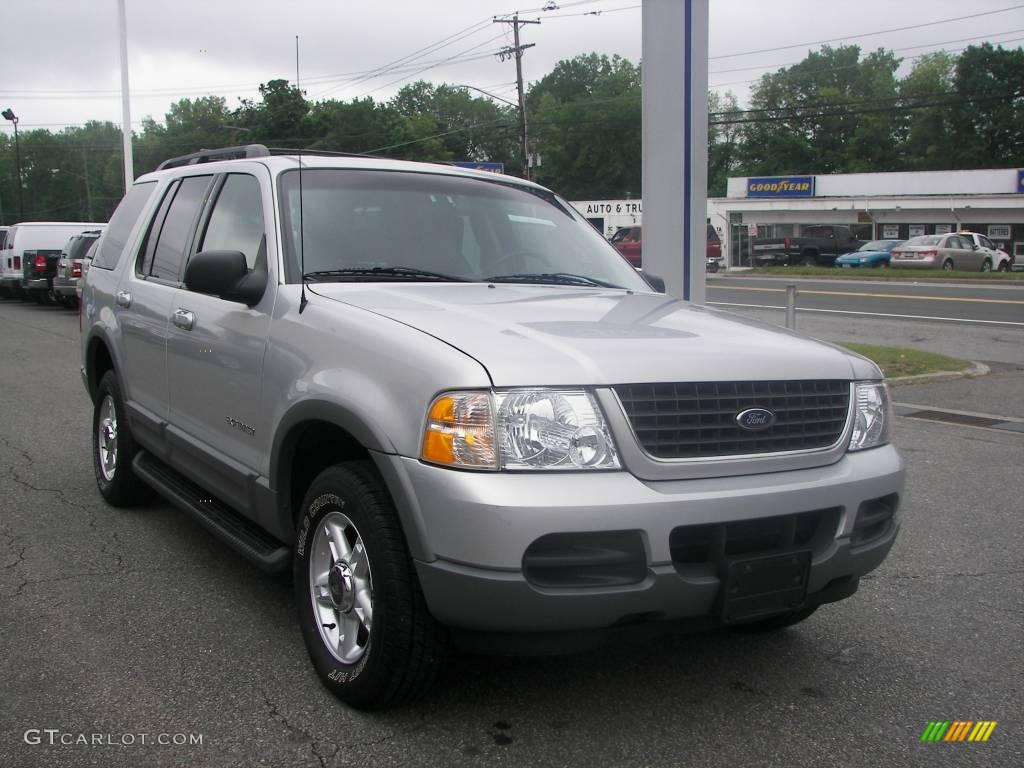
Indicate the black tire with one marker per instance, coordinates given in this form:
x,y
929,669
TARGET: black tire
x,y
121,487
775,623
712,267
404,647
986,265
1004,266
809,260
947,265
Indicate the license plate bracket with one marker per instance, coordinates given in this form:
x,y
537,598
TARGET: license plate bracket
x,y
758,587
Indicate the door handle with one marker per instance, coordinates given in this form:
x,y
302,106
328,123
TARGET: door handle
x,y
184,319
124,299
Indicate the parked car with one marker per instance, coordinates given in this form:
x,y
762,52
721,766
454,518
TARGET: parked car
x,y
996,260
873,254
629,242
39,269
817,246
948,252
33,236
457,416
70,268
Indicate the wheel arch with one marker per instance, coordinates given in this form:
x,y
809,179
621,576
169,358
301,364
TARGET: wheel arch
x,y
99,358
315,435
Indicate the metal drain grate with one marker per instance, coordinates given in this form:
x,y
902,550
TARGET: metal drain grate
x,y
954,418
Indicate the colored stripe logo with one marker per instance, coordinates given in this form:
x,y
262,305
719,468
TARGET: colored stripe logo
x,y
958,730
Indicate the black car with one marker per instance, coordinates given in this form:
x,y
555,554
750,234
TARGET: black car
x,y
39,269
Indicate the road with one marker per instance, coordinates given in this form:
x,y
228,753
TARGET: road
x,y
130,622
964,302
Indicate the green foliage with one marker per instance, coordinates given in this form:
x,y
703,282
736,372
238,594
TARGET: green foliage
x,y
836,111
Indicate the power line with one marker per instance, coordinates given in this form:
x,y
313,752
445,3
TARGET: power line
x,y
867,34
852,66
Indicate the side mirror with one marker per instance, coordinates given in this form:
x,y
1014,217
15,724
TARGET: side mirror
x,y
224,274
652,280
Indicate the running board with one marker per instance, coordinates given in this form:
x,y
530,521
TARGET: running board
x,y
223,522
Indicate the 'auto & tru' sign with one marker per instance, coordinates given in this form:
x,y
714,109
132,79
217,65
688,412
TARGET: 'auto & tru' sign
x,y
781,186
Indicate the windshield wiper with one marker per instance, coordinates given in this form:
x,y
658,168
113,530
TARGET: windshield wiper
x,y
405,272
555,278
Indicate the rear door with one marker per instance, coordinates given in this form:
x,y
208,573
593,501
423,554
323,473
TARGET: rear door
x,y
146,293
215,347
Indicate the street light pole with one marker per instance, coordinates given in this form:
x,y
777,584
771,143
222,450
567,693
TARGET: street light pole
x,y
9,115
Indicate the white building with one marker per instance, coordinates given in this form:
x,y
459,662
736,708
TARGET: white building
x,y
877,205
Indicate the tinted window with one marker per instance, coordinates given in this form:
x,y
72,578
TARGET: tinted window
x,y
3,237
712,235
177,227
236,223
986,243
122,223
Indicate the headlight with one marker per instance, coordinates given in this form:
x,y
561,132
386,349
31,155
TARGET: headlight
x,y
872,424
519,429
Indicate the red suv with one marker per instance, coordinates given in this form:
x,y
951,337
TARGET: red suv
x,y
629,242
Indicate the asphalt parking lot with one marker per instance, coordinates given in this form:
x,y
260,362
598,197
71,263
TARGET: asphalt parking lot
x,y
118,622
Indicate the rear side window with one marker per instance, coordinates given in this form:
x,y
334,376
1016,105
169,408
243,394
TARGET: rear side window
x,y
236,223
122,223
177,228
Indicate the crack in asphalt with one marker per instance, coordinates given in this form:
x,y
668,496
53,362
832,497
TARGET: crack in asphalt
x,y
111,542
20,589
314,743
931,576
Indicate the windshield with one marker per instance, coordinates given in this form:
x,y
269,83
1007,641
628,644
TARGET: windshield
x,y
879,245
386,225
924,240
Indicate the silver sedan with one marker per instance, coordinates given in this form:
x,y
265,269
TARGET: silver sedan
x,y
948,252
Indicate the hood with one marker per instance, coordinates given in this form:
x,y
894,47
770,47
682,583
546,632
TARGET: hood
x,y
553,335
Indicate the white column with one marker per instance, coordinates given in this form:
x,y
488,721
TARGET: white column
x,y
675,143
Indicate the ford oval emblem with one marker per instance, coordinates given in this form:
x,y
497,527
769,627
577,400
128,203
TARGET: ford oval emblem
x,y
755,419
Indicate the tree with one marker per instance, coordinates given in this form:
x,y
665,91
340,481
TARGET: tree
x,y
926,131
724,137
585,119
988,125
831,113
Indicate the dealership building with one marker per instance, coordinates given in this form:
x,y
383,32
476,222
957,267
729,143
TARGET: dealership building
x,y
875,205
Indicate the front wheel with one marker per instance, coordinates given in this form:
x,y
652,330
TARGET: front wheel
x,y
809,260
1004,266
947,265
113,448
362,613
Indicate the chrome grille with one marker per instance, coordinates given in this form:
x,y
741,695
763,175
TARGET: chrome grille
x,y
698,419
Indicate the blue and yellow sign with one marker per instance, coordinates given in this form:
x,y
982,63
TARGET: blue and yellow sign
x,y
781,186
1020,180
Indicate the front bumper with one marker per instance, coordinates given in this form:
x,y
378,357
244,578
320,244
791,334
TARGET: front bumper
x,y
480,525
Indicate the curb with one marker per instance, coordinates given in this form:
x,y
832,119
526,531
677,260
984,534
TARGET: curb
x,y
876,278
975,370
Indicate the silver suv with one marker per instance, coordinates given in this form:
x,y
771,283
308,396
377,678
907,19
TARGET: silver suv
x,y
460,416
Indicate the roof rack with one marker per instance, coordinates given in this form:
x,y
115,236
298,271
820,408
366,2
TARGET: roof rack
x,y
250,150
212,155
318,152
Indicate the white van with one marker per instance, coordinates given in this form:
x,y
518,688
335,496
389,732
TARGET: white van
x,y
33,236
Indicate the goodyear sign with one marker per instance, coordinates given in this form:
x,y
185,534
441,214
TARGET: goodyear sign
x,y
1020,180
781,186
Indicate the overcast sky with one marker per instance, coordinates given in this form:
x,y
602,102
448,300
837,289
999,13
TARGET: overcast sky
x,y
59,61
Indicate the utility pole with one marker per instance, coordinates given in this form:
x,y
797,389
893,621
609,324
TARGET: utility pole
x,y
88,192
9,115
517,51
126,112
